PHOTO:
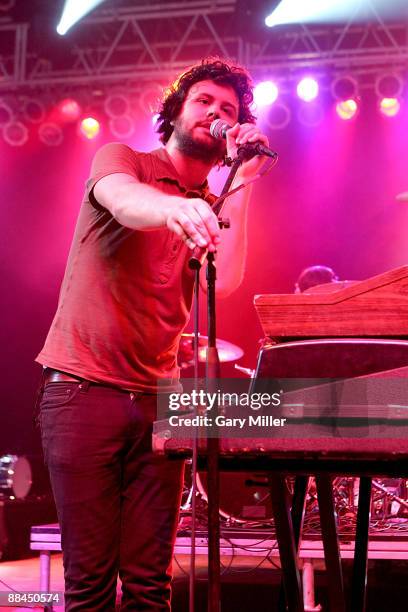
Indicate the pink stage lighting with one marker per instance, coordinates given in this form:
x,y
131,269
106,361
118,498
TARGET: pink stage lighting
x,y
347,109
308,89
90,127
389,107
69,109
266,93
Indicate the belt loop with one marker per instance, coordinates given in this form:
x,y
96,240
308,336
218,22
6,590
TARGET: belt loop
x,y
84,386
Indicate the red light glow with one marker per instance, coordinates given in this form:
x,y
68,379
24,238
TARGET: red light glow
x,y
69,109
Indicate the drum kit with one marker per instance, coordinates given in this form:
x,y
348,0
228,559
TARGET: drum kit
x,y
226,350
244,497
15,477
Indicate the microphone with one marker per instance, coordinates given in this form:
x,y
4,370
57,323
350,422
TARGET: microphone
x,y
218,129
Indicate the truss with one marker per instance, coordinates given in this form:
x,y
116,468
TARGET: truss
x,y
351,47
134,43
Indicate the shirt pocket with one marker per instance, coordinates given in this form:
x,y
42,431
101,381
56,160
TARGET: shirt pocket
x,y
171,251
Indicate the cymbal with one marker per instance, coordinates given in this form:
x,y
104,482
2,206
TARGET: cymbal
x,y
226,350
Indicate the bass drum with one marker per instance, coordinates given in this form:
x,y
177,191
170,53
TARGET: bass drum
x,y
15,476
244,496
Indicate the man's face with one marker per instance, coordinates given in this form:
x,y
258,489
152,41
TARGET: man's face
x,y
205,102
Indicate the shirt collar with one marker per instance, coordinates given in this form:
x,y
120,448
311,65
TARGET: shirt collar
x,y
165,171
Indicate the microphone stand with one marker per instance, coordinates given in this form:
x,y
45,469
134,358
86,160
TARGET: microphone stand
x,y
212,374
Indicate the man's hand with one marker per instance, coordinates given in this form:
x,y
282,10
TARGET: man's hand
x,y
241,134
139,206
193,220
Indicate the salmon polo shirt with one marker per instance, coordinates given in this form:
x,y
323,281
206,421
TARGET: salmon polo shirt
x,y
126,294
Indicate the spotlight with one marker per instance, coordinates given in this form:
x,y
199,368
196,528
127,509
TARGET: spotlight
x,y
310,115
278,117
122,127
389,85
68,110
149,99
333,11
265,93
116,105
344,88
89,127
389,107
280,12
347,109
6,112
15,133
50,134
74,11
33,110
307,89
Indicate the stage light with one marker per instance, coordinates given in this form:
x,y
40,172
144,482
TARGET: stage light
x,y
69,110
149,99
265,93
299,11
33,110
50,134
74,11
347,109
389,85
90,127
117,105
122,127
389,107
310,115
344,88
334,11
278,117
6,112
15,133
308,89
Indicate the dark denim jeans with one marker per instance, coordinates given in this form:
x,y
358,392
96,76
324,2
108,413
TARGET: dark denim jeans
x,y
117,502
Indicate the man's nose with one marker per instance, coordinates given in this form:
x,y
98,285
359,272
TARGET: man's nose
x,y
213,112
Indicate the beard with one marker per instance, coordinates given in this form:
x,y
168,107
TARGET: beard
x,y
207,149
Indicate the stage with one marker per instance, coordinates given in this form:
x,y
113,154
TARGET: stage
x,y
250,574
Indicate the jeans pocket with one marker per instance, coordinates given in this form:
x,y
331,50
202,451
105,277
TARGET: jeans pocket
x,y
59,394
56,407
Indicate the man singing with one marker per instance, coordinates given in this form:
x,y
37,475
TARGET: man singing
x,y
124,302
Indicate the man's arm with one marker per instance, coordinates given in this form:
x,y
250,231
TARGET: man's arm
x,y
142,207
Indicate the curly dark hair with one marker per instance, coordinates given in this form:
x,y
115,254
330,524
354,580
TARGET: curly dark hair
x,y
215,69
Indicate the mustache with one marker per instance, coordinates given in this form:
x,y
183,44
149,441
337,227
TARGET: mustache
x,y
212,150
